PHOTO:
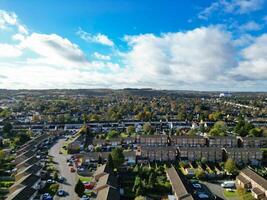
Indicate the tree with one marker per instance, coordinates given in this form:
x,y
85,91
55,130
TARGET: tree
x,y
256,132
53,188
112,134
218,129
230,166
139,198
151,179
110,162
137,185
117,157
243,127
79,188
200,174
7,128
2,156
55,177
130,129
147,127
100,160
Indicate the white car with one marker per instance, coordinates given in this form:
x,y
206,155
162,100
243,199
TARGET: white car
x,y
203,195
196,185
60,192
49,181
84,197
80,169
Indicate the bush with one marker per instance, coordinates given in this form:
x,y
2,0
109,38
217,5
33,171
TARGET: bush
x,y
200,174
79,188
53,188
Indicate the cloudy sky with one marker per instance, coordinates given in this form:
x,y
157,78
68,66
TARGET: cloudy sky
x,y
194,45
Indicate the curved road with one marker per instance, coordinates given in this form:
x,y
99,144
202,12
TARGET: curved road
x,y
70,178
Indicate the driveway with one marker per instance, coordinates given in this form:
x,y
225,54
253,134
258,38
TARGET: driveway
x,y
70,178
217,190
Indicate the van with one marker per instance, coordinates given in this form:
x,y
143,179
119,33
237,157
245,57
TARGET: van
x,y
228,184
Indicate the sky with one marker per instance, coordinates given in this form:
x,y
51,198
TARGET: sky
x,y
177,45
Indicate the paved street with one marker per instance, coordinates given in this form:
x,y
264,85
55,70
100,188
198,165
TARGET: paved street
x,y
217,190
70,178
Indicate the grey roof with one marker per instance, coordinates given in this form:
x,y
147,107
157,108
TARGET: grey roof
x,y
178,185
108,193
107,179
32,169
102,169
28,180
24,193
30,161
255,177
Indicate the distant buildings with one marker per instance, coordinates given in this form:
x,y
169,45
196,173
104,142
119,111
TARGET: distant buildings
x,y
227,94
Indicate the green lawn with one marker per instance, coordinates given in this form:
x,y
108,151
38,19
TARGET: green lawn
x,y
85,178
230,194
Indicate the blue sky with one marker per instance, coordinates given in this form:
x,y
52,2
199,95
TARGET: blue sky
x,y
196,45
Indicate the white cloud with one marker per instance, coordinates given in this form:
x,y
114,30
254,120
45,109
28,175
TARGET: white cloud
x,y
98,38
101,56
197,56
10,19
251,26
253,65
203,58
232,6
54,50
9,51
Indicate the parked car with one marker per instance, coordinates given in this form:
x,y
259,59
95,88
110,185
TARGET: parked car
x,y
81,169
84,197
47,196
196,185
60,192
228,184
50,181
61,179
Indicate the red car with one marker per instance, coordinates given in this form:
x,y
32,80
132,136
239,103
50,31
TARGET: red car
x,y
89,186
72,169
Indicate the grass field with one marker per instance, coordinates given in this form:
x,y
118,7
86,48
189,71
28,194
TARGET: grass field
x,y
85,179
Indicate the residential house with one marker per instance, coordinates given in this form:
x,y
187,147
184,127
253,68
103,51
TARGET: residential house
x,y
244,155
154,153
222,141
107,180
153,140
178,187
249,179
26,163
211,154
75,145
108,193
114,142
101,171
253,142
24,156
30,180
33,169
24,193
188,141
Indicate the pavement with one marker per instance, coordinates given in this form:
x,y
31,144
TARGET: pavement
x,y
217,190
64,170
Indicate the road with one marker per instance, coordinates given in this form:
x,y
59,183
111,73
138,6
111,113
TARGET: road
x,y
217,190
70,178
